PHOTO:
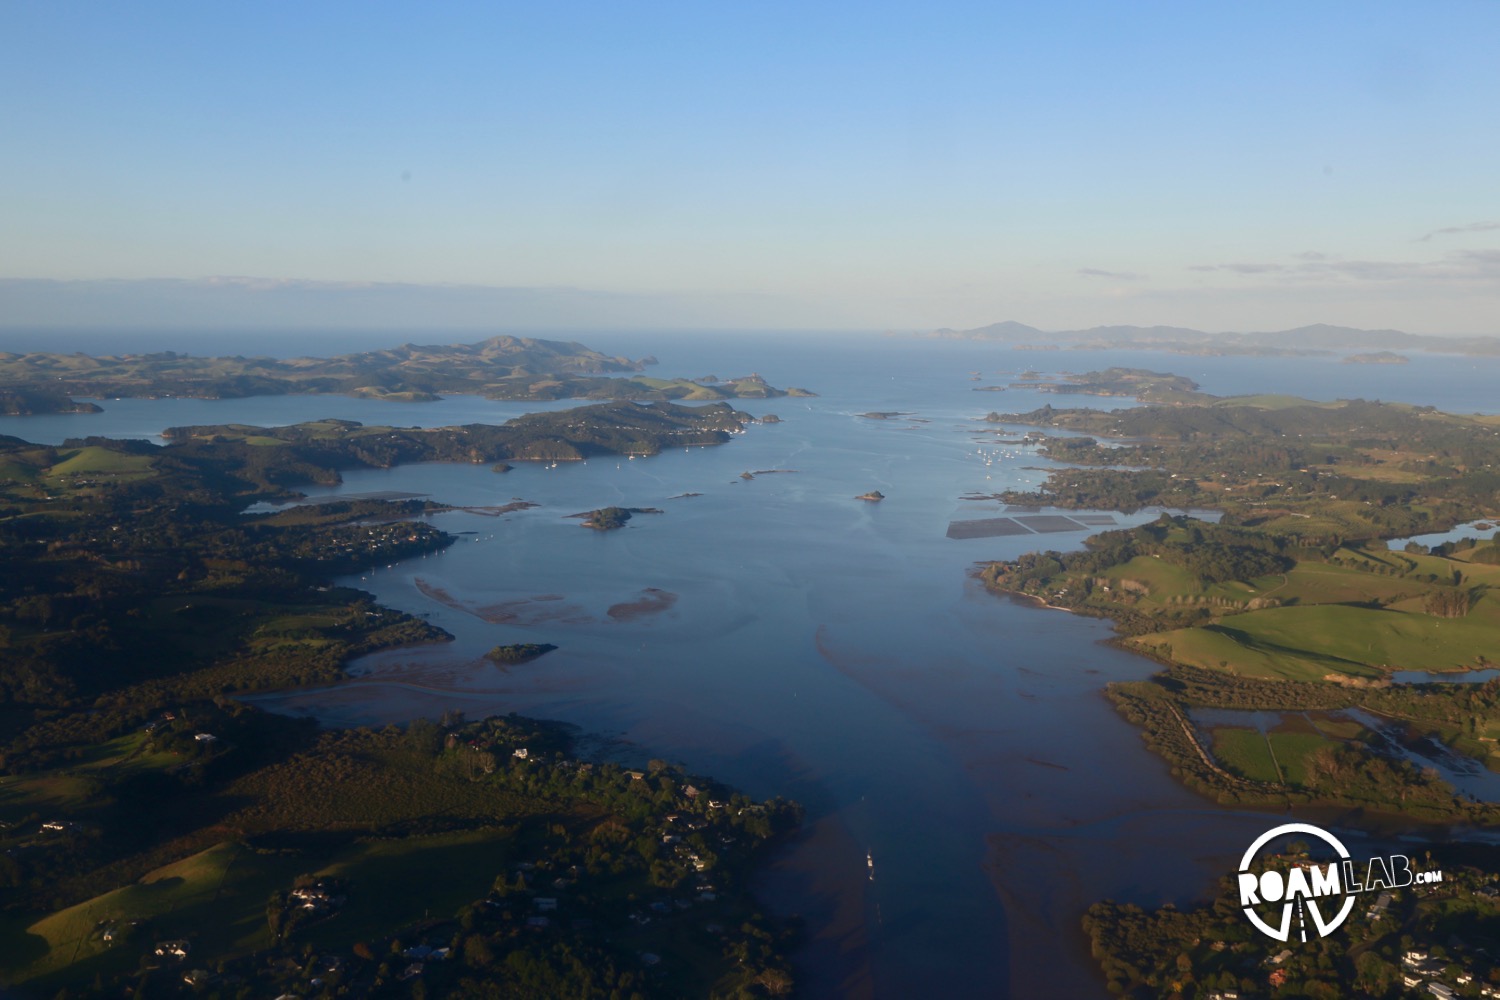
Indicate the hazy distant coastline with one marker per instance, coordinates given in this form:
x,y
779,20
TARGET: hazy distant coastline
x,y
1318,339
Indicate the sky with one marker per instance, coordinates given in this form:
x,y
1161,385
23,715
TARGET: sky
x,y
768,164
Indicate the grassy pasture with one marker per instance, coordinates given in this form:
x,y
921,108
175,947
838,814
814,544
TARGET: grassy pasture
x,y
216,899
1293,749
21,795
1308,642
1244,751
100,461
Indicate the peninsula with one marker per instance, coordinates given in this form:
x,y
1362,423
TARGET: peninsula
x,y
159,834
1292,601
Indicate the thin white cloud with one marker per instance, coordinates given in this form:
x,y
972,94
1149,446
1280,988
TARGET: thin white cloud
x,y
1473,227
1094,272
1459,266
1240,267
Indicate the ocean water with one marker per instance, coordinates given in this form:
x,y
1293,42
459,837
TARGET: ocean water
x,y
786,637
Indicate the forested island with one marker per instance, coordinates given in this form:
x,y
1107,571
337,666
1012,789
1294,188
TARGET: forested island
x,y
519,652
498,368
1140,383
611,518
272,458
159,836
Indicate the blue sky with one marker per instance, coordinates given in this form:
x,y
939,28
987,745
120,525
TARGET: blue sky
x,y
1244,166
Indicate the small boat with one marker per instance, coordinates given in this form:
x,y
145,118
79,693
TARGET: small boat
x,y
870,863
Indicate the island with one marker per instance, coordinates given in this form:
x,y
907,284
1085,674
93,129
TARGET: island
x,y
1377,358
612,518
272,458
501,367
874,496
516,653
1139,383
160,834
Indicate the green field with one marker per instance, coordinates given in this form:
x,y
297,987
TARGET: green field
x,y
1277,757
100,461
1292,751
1244,751
21,795
1309,642
217,900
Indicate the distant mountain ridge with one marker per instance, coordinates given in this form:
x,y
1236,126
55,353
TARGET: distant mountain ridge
x,y
1317,338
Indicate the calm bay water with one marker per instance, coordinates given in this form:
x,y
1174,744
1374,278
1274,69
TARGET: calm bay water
x,y
781,635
